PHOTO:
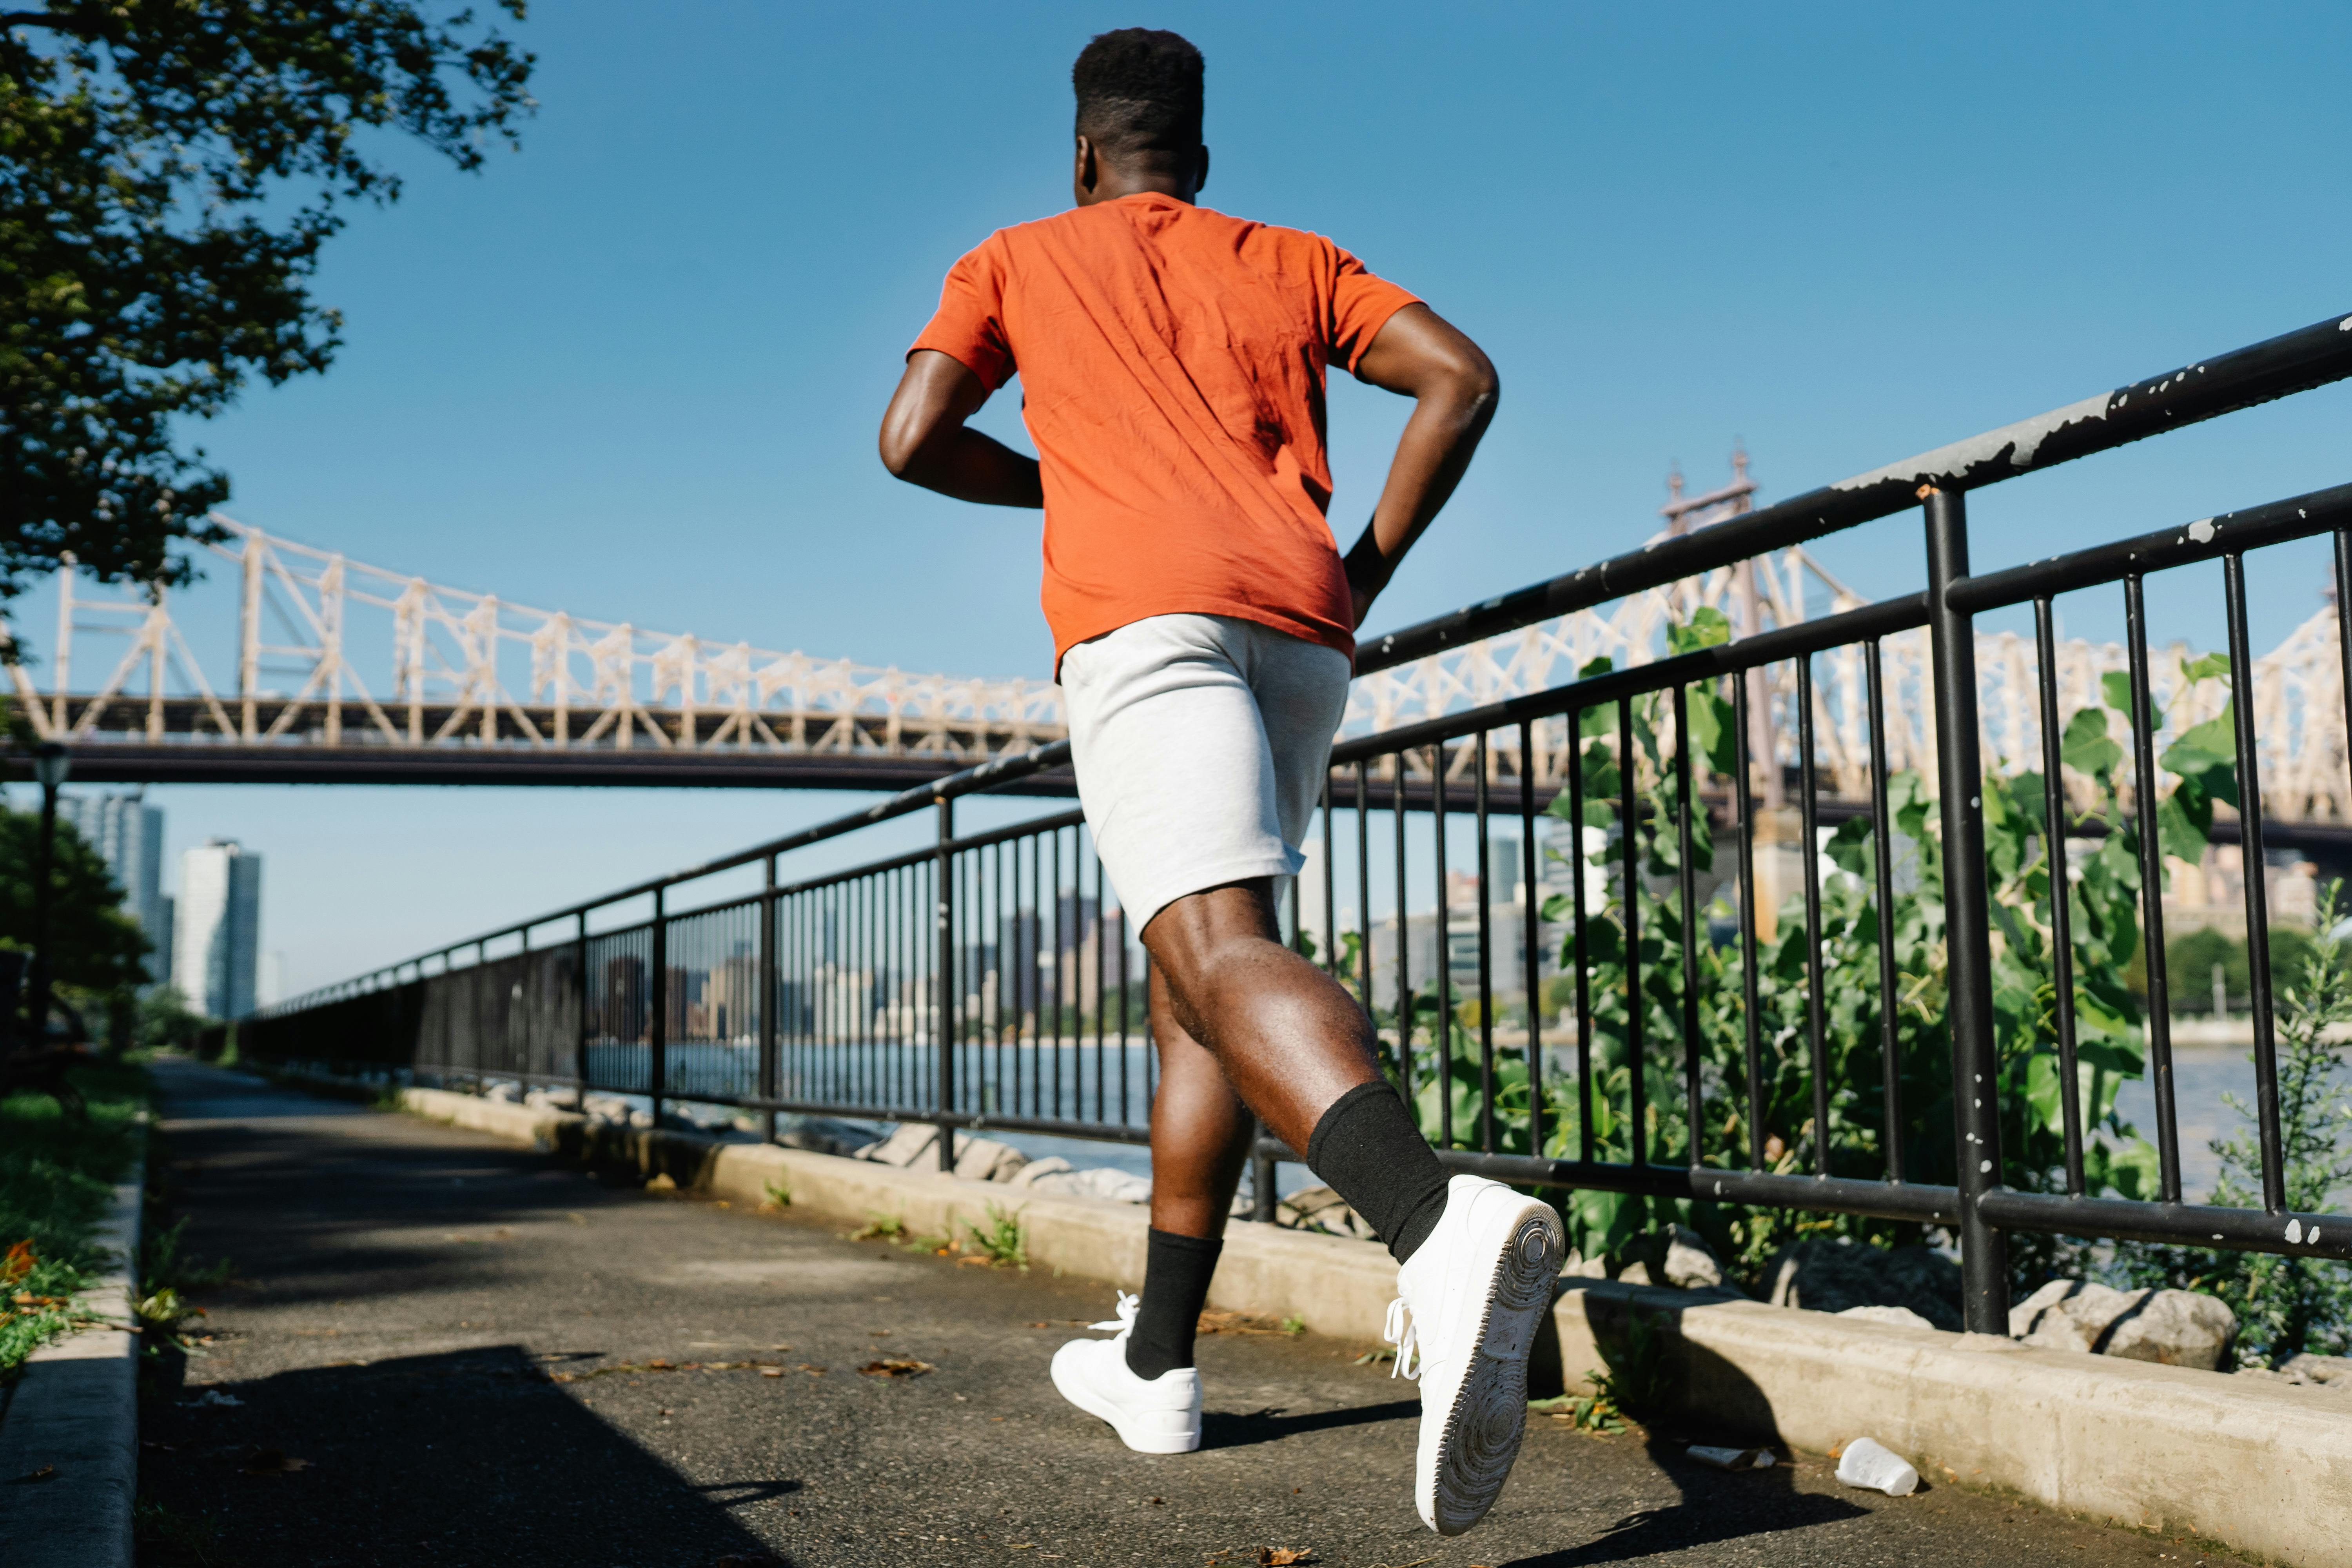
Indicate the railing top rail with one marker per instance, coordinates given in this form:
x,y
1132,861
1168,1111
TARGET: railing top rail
x,y
2295,362
2207,539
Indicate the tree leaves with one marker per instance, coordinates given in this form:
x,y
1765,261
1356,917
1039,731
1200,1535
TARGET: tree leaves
x,y
168,175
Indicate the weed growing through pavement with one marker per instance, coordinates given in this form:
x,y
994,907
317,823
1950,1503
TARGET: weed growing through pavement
x,y
1294,1326
879,1227
780,1194
167,1536
1001,1243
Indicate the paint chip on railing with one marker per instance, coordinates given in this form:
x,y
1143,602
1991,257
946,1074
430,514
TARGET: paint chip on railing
x,y
2293,1230
2202,531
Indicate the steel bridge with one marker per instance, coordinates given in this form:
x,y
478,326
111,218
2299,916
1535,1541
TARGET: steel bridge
x,y
340,671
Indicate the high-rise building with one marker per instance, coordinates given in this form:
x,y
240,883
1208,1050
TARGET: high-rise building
x,y
128,834
216,950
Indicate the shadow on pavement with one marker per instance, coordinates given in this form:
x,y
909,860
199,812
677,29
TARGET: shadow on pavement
x,y
471,1456
1715,1506
1219,1429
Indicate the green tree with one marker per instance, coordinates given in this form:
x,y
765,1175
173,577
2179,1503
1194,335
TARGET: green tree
x,y
97,946
165,1021
169,170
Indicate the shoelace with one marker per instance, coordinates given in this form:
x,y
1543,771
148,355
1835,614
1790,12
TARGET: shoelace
x,y
1126,1319
1402,1333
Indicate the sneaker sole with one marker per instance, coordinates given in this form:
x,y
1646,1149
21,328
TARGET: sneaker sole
x,y
1489,1415
1104,1410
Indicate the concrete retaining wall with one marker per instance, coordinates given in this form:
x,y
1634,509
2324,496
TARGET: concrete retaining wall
x,y
2263,1467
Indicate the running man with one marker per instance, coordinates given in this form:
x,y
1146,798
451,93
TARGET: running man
x,y
1173,363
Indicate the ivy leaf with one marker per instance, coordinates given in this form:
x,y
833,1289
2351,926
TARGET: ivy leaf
x,y
1708,627
2184,821
2086,747
2045,1091
1712,731
1602,720
1849,847
2208,754
2134,1170
2206,667
1907,803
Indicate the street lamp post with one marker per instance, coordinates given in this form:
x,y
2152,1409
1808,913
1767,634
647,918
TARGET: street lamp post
x,y
51,763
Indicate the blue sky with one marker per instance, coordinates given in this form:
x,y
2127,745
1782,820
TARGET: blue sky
x,y
634,371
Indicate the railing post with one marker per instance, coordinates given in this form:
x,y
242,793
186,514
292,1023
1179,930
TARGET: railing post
x,y
1984,1252
658,1025
768,1001
943,916
580,1045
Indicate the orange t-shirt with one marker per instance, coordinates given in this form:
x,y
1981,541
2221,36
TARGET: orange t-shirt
x,y
1172,361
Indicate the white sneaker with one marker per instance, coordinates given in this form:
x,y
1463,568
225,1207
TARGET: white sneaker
x,y
1469,1304
1162,1415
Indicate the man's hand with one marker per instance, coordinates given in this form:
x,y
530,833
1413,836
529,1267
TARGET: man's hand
x,y
1418,354
924,442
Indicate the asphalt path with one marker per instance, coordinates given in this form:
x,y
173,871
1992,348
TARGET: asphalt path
x,y
442,1349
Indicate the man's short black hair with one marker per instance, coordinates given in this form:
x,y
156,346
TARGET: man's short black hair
x,y
1139,90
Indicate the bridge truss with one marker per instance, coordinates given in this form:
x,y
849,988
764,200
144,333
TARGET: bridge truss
x,y
343,671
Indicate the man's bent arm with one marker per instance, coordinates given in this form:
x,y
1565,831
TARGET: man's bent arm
x,y
1417,353
924,440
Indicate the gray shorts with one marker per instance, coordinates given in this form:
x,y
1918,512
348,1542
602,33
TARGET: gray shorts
x,y
1202,744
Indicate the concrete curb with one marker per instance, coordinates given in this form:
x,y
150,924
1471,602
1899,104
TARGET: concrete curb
x,y
1333,1285
76,1407
2263,1467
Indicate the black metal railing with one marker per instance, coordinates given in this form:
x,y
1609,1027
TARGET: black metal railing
x,y
1586,997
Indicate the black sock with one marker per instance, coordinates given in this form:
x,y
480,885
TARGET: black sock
x,y
1176,1271
1373,1155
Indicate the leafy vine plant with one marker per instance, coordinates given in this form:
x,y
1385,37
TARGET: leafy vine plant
x,y
2103,877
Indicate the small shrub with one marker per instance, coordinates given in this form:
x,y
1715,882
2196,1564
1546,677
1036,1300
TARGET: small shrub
x,y
2286,1306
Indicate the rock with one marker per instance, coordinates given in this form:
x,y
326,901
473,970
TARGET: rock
x,y
2333,1371
1323,1210
907,1142
1830,1275
822,1135
986,1160
977,1159
1873,1466
1899,1317
2174,1328
1119,1186
1037,1171
1677,1257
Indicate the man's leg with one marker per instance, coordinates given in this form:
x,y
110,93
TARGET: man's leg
x,y
1296,1048
1200,1134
